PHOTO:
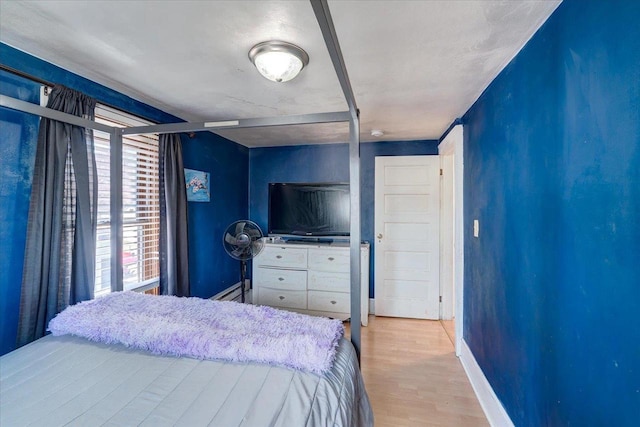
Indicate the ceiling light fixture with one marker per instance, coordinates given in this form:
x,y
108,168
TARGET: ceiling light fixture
x,y
377,133
278,61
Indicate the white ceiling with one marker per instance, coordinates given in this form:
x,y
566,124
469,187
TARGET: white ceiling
x,y
415,66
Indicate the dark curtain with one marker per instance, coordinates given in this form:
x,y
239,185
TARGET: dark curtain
x,y
174,251
59,265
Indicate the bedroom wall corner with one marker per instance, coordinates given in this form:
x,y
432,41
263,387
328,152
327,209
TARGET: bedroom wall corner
x,y
17,156
491,405
211,270
226,160
325,163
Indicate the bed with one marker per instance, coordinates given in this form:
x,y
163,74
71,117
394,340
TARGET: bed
x,y
69,380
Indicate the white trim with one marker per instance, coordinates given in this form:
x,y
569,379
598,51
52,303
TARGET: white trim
x,y
447,146
447,234
490,403
230,293
233,292
453,144
459,234
372,306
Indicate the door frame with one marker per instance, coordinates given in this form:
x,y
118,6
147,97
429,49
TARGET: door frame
x,y
447,225
453,145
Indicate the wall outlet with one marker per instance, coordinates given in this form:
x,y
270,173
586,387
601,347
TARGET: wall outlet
x,y
476,228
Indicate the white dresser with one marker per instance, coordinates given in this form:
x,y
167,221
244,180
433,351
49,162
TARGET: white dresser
x,y
310,278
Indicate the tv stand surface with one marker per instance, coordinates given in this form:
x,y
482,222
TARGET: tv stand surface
x,y
311,241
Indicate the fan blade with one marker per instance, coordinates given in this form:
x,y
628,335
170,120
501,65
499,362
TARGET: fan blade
x,y
238,252
230,239
255,250
253,232
240,227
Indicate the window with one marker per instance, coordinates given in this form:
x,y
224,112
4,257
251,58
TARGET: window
x,y
140,204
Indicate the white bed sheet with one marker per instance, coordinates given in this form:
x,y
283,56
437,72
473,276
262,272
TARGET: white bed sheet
x,y
69,381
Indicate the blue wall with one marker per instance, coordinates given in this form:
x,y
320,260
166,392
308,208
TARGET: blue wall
x,y
324,163
18,132
211,270
552,172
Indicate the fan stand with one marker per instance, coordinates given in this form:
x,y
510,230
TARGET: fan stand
x,y
243,274
243,240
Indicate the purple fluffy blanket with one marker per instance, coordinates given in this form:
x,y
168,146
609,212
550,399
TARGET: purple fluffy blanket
x,y
205,329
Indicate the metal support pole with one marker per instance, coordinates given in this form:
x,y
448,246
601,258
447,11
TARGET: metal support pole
x,y
27,107
303,119
354,185
243,275
116,209
323,16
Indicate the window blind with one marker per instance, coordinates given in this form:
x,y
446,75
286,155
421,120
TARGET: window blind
x,y
140,204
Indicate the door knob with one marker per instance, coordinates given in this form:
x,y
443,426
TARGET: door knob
x,y
379,235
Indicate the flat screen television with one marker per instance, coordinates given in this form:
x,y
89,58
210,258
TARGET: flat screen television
x,y
319,210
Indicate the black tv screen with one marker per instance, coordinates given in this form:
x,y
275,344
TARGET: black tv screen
x,y
309,209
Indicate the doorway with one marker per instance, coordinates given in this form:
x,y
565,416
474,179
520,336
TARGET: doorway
x,y
450,151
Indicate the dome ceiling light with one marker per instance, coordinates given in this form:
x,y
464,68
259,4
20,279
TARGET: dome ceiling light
x,y
278,61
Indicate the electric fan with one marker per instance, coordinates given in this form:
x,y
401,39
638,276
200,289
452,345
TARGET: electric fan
x,y
243,240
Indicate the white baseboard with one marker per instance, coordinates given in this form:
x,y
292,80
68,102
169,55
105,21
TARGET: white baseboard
x,y
372,306
232,293
490,403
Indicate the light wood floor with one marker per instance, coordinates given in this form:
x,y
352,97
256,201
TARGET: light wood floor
x,y
450,328
413,377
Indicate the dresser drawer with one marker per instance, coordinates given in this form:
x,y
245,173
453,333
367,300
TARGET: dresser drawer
x,y
330,260
309,278
281,298
329,281
281,279
329,301
277,256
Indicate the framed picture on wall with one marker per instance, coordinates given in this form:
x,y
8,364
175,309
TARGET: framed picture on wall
x,y
197,185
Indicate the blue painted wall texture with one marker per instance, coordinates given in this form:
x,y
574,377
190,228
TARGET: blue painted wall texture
x,y
552,172
211,269
18,134
324,163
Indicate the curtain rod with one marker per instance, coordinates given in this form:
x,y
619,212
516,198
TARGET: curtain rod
x,y
26,75
44,82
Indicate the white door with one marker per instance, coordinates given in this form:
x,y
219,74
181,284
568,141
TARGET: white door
x,y
407,234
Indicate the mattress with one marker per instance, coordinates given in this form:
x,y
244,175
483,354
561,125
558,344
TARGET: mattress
x,y
69,381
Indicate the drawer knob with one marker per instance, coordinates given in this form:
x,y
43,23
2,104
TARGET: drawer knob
x,y
278,256
281,297
281,278
333,302
331,258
